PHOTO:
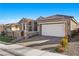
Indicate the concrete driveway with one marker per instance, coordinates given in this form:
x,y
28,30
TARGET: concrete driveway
x,y
41,42
18,50
52,40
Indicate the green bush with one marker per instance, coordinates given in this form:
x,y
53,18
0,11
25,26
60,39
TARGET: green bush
x,y
6,38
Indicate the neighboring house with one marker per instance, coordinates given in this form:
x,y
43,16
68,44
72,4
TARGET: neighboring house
x,y
28,27
57,25
1,28
15,27
24,28
12,29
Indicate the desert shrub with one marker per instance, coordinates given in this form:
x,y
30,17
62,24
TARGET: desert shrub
x,y
59,49
64,42
62,46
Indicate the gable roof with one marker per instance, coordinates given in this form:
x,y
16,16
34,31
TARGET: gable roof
x,y
57,17
24,20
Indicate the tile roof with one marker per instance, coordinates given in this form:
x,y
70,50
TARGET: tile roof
x,y
55,17
24,20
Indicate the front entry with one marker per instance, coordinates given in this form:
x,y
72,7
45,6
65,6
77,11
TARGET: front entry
x,y
22,33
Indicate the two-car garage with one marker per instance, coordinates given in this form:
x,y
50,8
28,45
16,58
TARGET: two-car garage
x,y
56,26
53,29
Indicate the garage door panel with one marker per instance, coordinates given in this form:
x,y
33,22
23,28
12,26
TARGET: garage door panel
x,y
53,30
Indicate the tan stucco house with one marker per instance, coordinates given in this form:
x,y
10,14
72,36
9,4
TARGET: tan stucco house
x,y
28,27
56,25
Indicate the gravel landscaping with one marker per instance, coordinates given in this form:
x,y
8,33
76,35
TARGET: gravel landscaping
x,y
72,49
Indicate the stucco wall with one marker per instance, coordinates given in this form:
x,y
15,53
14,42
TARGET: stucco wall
x,y
14,28
73,25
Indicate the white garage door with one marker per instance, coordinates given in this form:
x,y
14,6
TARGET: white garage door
x,y
53,30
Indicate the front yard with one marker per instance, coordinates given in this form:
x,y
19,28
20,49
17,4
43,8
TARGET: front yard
x,y
6,38
71,50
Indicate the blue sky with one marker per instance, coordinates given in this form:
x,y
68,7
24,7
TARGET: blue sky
x,y
13,12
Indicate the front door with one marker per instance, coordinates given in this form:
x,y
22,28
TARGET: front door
x,y
22,33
